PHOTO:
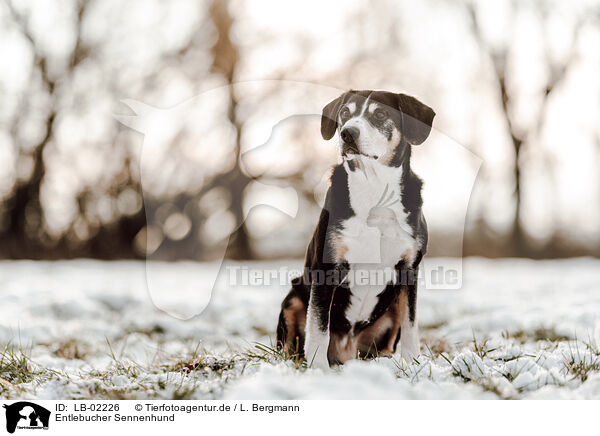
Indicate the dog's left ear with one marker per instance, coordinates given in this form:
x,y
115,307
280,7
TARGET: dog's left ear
x,y
329,117
417,119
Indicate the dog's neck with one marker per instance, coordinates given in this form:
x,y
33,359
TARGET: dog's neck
x,y
401,156
399,163
370,167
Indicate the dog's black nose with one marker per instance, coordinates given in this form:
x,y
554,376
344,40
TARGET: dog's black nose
x,y
350,135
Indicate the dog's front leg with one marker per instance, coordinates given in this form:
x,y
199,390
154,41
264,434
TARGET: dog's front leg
x,y
409,340
409,330
317,328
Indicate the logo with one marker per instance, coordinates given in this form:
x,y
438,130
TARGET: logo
x,y
26,415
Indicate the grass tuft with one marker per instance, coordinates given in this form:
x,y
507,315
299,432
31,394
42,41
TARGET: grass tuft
x,y
270,354
537,334
15,366
70,349
481,348
581,364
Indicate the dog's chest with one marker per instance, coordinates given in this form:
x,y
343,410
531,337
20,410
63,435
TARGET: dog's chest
x,y
378,232
377,237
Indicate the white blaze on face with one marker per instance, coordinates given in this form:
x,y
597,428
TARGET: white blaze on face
x,y
372,141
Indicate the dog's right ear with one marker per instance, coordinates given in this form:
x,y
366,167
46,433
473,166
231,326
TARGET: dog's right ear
x,y
329,117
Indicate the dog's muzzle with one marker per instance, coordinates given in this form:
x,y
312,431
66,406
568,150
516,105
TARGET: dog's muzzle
x,y
349,137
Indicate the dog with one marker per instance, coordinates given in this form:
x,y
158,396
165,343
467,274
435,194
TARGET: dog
x,y
371,222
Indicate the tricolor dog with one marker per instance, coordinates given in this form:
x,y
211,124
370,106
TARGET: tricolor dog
x,y
358,295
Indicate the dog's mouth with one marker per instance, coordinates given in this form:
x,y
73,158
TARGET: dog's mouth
x,y
349,150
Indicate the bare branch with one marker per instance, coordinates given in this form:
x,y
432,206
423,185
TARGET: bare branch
x,y
80,51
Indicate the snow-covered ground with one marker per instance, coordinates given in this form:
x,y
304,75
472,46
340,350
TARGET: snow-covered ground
x,y
87,329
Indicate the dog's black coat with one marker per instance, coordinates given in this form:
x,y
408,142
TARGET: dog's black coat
x,y
324,271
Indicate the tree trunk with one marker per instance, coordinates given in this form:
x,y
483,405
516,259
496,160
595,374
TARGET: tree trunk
x,y
225,60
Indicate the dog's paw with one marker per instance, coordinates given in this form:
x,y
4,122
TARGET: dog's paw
x,y
385,353
316,356
410,347
320,362
409,355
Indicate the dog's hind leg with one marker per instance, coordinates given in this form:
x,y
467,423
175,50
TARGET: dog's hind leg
x,y
380,338
292,322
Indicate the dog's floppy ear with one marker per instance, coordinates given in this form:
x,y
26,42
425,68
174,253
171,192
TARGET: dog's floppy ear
x,y
417,119
329,117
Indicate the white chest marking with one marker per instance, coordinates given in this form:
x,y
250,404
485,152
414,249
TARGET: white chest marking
x,y
377,236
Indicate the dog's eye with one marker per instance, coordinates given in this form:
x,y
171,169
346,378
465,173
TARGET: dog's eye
x,y
380,114
345,113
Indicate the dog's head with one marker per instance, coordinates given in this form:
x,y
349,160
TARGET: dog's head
x,y
377,124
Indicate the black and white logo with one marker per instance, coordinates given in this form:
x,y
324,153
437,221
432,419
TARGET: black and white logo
x,y
26,415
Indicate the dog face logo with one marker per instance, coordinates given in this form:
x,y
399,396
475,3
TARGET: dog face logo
x,y
26,415
376,124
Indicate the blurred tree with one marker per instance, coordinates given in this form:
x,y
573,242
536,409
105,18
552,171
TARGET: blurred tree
x,y
225,60
25,234
518,242
23,210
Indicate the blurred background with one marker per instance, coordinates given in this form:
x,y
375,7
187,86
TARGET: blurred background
x,y
88,87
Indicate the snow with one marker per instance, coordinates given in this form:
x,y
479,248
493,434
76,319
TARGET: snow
x,y
517,329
